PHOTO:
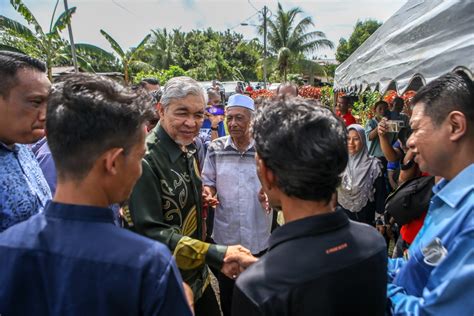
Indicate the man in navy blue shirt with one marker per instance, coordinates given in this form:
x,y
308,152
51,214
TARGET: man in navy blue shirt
x,y
71,259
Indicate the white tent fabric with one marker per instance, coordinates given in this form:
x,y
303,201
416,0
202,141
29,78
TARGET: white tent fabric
x,y
421,41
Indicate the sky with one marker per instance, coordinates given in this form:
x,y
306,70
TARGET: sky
x,y
128,21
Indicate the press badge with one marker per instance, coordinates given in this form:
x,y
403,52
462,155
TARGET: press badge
x,y
434,252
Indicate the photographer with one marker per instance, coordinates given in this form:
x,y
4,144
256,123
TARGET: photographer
x,y
380,111
408,170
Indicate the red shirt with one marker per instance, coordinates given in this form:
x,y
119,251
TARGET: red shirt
x,y
348,119
411,229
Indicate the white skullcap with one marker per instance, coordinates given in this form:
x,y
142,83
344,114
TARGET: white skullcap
x,y
242,101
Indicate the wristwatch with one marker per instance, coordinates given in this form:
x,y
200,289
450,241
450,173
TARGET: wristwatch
x,y
214,128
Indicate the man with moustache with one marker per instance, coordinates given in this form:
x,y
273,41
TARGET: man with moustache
x,y
166,203
24,89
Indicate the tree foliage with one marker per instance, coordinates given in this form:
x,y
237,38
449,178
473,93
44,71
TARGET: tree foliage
x,y
203,54
290,39
48,46
362,31
128,58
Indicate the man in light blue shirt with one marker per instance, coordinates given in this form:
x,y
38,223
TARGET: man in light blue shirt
x,y
24,89
438,277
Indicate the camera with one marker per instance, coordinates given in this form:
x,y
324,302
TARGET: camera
x,y
394,126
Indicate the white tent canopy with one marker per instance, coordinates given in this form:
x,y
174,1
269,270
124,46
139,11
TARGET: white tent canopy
x,y
420,42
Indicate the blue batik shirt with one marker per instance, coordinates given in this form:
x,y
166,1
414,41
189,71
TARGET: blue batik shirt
x,y
438,278
23,188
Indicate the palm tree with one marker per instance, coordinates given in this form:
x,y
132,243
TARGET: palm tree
x,y
48,46
130,57
289,39
161,49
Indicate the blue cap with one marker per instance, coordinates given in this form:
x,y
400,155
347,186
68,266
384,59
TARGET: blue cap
x,y
242,101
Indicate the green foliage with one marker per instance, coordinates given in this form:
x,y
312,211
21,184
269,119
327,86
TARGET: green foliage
x,y
47,46
363,108
204,55
201,54
290,39
327,96
162,75
330,70
129,59
173,71
362,31
296,79
95,59
148,74
50,46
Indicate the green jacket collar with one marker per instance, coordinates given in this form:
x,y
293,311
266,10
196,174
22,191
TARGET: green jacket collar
x,y
170,146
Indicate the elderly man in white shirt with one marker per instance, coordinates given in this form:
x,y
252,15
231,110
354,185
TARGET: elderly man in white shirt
x,y
230,181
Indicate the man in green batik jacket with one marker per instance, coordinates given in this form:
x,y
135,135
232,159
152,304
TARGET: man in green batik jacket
x,y
166,203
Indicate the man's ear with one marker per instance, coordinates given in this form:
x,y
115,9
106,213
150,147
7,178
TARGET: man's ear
x,y
457,125
161,109
267,177
110,160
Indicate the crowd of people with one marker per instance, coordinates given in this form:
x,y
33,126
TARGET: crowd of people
x,y
132,200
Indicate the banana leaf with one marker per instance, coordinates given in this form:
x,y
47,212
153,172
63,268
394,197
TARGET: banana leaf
x,y
115,46
26,13
63,20
16,28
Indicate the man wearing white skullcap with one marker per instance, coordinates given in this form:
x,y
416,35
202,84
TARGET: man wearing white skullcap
x,y
230,181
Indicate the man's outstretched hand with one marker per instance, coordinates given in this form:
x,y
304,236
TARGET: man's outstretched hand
x,y
236,260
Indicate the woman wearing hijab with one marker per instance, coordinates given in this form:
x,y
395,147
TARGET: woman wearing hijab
x,y
362,190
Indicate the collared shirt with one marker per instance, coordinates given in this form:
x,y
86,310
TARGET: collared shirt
x,y
318,265
23,189
438,278
73,260
166,205
239,218
46,162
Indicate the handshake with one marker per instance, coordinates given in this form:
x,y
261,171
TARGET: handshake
x,y
236,260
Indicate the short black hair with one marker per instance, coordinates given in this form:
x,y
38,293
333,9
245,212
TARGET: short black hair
x,y
10,63
450,92
153,81
380,102
89,114
345,98
303,145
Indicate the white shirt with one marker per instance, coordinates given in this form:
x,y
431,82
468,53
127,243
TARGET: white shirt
x,y
239,217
